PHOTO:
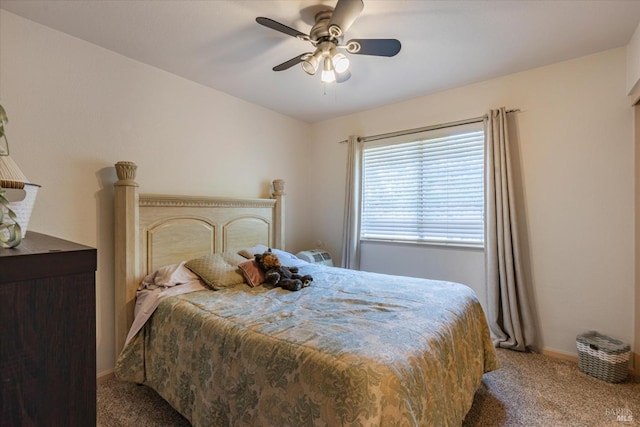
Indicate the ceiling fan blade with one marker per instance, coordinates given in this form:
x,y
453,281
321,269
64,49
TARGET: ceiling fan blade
x,y
290,63
345,14
377,47
274,25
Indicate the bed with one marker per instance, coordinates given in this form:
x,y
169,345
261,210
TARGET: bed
x,y
353,348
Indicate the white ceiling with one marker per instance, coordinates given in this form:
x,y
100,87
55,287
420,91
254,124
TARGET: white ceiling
x,y
445,44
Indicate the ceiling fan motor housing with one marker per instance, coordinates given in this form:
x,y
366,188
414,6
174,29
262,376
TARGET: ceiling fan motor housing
x,y
320,31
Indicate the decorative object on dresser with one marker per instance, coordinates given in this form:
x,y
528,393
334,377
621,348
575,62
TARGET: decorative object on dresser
x,y
10,232
17,194
47,333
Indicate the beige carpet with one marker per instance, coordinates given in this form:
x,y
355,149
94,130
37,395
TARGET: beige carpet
x,y
528,390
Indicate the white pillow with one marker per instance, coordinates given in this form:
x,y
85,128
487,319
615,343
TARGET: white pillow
x,y
260,249
287,259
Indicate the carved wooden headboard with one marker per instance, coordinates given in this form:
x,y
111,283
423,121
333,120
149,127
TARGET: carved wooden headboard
x,y
155,230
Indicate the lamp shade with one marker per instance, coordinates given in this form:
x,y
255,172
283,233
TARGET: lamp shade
x,y
340,62
310,63
328,75
10,174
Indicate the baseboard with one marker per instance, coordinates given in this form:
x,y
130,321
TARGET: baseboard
x,y
560,355
634,366
104,376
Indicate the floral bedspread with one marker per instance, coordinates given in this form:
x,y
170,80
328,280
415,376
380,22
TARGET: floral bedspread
x,y
354,348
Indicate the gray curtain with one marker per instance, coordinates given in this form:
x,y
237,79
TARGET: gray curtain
x,y
351,235
508,308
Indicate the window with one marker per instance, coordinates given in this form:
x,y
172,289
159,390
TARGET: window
x,y
427,188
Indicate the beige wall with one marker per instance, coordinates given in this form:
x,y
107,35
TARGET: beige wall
x,y
633,62
75,109
575,150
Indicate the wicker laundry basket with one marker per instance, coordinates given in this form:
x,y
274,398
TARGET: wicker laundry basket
x,y
603,357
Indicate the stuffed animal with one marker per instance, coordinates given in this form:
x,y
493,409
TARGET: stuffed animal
x,y
278,275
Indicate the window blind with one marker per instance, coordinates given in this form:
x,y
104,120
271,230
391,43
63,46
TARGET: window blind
x,y
425,190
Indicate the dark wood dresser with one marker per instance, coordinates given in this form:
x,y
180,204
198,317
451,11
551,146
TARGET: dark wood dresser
x,y
47,333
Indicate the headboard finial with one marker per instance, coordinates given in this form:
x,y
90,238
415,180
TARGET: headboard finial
x,y
278,187
126,172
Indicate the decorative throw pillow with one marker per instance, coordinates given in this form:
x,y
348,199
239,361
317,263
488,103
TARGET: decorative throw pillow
x,y
253,275
232,257
215,271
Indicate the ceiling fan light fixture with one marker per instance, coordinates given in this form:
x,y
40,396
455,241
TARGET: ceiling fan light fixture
x,y
328,75
340,63
310,62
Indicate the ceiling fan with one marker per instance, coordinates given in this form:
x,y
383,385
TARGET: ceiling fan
x,y
326,36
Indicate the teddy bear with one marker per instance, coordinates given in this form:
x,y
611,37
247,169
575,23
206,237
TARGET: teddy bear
x,y
278,275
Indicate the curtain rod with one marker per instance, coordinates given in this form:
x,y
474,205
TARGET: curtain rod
x,y
423,129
